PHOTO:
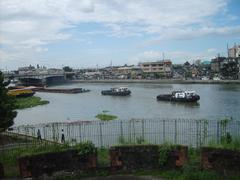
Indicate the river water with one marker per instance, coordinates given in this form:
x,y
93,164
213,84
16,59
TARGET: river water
x,y
217,101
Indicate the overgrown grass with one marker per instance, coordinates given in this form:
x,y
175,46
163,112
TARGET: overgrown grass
x,y
190,171
106,117
28,102
182,174
136,141
10,157
103,157
233,144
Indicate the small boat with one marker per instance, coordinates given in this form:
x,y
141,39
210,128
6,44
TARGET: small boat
x,y
121,91
179,96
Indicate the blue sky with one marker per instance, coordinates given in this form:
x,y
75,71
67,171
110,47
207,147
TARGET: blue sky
x,y
88,33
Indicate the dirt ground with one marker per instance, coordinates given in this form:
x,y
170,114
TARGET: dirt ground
x,y
124,177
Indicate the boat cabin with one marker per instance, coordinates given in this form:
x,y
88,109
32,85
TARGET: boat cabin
x,y
183,94
120,89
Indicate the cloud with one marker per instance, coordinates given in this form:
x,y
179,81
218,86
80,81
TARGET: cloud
x,y
30,25
40,49
211,50
190,33
175,56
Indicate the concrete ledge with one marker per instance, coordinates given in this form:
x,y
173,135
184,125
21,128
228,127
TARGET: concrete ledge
x,y
158,81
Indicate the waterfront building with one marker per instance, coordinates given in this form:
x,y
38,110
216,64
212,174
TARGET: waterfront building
x,y
26,70
217,64
234,52
205,68
133,72
162,68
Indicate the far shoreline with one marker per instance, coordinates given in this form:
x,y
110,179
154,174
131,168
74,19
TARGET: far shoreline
x,y
158,81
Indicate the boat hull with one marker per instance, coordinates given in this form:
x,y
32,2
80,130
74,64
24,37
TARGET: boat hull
x,y
111,93
25,95
169,97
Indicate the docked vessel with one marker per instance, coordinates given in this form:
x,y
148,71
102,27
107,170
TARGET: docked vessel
x,y
121,91
66,91
179,96
21,92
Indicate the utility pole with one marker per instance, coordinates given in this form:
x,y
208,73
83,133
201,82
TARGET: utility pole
x,y
227,50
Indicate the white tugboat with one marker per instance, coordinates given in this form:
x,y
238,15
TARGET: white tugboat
x,y
179,96
121,91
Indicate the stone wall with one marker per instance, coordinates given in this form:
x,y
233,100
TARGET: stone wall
x,y
221,160
132,157
177,156
48,163
146,157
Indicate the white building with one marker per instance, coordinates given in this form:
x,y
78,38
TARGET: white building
x,y
234,51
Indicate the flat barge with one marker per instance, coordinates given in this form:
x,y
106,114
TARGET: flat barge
x,y
65,91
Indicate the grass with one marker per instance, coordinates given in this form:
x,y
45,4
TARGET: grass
x,y
190,171
28,102
103,157
233,144
10,157
105,117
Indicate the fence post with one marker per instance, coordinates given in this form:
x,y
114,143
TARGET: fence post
x,y
175,133
200,133
80,138
143,129
164,135
130,131
134,135
121,131
197,133
101,140
53,132
218,133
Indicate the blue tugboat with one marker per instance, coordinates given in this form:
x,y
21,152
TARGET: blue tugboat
x,y
121,91
179,96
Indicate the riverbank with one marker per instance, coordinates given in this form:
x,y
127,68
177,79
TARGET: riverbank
x,y
29,102
158,81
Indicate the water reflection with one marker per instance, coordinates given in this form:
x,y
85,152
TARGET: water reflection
x,y
229,87
182,104
216,101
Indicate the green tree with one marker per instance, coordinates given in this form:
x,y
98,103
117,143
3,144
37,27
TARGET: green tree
x,y
67,69
230,70
7,106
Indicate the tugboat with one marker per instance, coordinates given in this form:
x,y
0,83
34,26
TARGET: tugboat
x,y
179,96
121,91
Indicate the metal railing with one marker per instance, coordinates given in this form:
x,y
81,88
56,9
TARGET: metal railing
x,y
192,132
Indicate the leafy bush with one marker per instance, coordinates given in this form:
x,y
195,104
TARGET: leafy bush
x,y
85,148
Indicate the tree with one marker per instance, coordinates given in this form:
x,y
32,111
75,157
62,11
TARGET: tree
x,y
230,70
7,106
67,69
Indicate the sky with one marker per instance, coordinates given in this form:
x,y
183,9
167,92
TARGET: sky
x,y
91,33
